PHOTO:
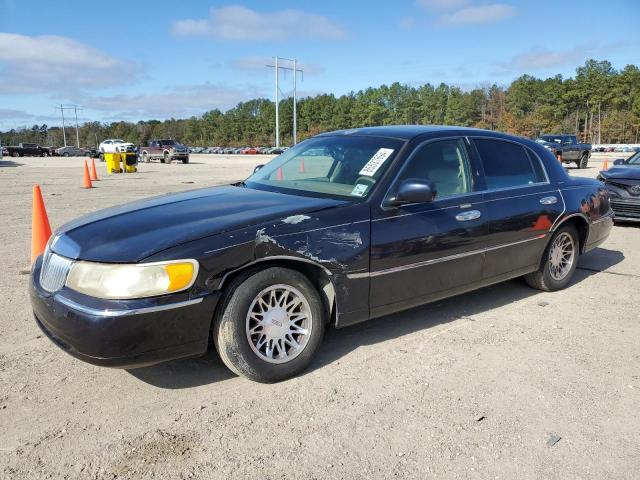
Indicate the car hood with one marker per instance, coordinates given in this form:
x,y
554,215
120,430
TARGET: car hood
x,y
133,232
620,172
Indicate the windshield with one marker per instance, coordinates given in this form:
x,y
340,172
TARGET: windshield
x,y
340,166
167,142
634,159
551,138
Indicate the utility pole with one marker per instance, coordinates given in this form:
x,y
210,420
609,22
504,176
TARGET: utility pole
x,y
75,110
277,67
277,107
64,135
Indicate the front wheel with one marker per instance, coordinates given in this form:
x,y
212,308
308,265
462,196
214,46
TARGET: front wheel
x,y
559,261
270,325
65,154
185,160
165,158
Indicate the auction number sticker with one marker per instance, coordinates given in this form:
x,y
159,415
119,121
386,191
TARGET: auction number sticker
x,y
359,190
376,162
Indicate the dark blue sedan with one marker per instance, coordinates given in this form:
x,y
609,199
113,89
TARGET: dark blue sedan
x,y
344,227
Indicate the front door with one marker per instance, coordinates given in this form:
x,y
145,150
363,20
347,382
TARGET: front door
x,y
422,251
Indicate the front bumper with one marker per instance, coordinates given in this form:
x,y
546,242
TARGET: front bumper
x,y
627,210
124,334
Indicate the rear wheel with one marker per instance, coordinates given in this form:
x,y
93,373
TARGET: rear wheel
x,y
559,261
165,158
65,154
145,157
16,154
270,325
584,161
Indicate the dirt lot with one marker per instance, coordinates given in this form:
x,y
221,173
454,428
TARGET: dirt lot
x,y
506,382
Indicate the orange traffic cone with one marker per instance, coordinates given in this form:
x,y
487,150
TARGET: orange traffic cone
x,y
86,181
302,166
280,175
40,229
93,173
605,165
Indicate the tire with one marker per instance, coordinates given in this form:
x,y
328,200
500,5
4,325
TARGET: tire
x,y
185,160
65,154
242,353
101,157
165,158
16,154
584,161
145,157
544,278
45,154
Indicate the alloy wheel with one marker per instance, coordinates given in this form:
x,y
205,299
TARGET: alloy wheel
x,y
561,256
278,323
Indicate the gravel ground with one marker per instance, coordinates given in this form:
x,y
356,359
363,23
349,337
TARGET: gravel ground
x,y
505,382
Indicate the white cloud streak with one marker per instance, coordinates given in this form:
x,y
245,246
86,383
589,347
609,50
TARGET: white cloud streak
x,y
478,14
259,64
54,64
235,22
180,101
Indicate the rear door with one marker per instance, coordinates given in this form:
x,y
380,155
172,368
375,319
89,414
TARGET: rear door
x,y
522,205
421,251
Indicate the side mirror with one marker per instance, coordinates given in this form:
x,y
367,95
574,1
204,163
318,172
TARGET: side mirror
x,y
413,190
618,161
258,167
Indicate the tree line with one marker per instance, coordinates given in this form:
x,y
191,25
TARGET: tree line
x,y
599,104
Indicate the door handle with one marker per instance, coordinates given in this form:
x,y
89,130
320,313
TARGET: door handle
x,y
468,215
549,200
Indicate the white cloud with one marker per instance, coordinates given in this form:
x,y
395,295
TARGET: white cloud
x,y
54,64
180,101
541,59
235,22
259,64
478,14
407,22
442,4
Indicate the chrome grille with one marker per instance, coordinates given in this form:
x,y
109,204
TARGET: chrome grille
x,y
54,271
625,209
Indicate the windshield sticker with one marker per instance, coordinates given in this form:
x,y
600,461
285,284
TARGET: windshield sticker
x,y
376,162
359,190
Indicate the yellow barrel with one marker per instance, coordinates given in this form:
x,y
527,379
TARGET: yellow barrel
x,y
113,162
129,162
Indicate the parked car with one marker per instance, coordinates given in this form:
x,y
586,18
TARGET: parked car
x,y
71,151
622,181
91,152
568,148
249,151
165,150
394,217
276,150
114,145
25,150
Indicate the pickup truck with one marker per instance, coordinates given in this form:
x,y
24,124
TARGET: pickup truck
x,y
164,150
567,148
25,150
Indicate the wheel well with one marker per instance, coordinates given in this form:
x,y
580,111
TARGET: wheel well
x,y
314,273
581,226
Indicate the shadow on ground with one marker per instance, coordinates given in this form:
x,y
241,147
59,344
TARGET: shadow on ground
x,y
10,163
340,342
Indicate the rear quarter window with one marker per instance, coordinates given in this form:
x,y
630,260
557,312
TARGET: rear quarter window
x,y
507,164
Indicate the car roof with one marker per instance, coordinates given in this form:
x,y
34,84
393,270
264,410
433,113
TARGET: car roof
x,y
407,132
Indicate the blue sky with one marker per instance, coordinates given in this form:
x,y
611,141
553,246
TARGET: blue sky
x,y
128,60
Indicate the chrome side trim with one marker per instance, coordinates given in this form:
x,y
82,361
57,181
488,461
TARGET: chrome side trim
x,y
121,313
440,260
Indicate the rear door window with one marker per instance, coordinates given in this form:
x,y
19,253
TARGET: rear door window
x,y
506,164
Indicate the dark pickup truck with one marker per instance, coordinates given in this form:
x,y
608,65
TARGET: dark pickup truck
x,y
165,151
567,148
25,150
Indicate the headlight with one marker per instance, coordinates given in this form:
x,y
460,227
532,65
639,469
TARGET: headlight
x,y
122,281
